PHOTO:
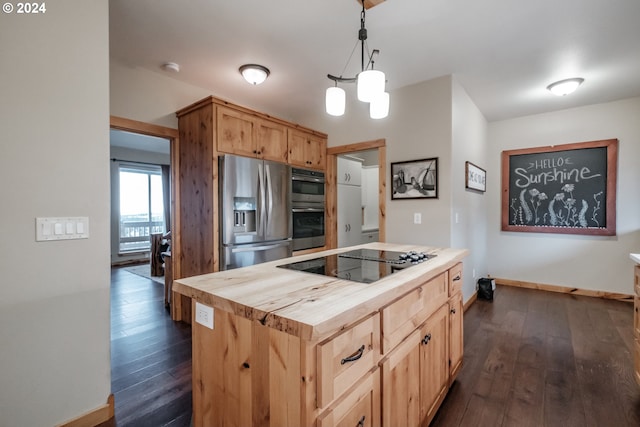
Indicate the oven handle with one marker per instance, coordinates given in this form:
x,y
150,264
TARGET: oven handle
x,y
298,210
307,179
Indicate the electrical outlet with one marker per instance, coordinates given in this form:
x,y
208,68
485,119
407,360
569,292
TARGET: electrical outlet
x,y
204,315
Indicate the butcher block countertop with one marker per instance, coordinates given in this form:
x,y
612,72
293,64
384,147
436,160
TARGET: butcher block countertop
x,y
307,305
635,257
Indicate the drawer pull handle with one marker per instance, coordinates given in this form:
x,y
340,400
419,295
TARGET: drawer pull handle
x,y
426,339
455,279
361,422
355,356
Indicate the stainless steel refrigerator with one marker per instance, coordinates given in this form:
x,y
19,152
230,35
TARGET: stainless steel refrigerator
x,y
255,211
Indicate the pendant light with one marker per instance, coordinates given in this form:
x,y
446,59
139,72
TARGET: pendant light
x,y
370,83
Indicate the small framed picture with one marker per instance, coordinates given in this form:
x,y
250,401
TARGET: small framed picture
x,y
415,179
475,177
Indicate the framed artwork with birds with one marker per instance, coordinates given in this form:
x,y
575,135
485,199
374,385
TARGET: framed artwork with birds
x,y
415,179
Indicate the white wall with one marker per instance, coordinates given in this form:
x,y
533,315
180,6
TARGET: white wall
x,y
149,97
586,262
418,127
54,122
469,143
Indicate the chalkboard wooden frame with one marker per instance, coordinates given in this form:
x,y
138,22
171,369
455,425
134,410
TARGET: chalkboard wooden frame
x,y
528,202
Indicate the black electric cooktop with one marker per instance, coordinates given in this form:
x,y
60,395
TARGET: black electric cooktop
x,y
360,265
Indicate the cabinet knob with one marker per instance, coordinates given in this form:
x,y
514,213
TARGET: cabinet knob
x,y
453,311
361,422
426,339
455,279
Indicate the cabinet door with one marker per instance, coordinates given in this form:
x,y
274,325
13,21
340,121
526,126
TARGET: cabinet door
x,y
349,171
235,132
296,146
456,336
306,150
349,215
401,384
434,363
316,152
271,141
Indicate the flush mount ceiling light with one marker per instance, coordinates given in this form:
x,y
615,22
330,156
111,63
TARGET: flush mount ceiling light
x,y
370,83
254,73
565,87
171,66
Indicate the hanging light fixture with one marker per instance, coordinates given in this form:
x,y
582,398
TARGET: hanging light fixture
x,y
254,73
370,83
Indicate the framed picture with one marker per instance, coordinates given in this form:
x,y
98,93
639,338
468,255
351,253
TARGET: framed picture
x,y
475,177
415,179
568,189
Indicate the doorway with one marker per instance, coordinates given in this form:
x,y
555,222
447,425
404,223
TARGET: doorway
x,y
368,153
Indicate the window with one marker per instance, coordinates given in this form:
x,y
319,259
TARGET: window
x,y
141,207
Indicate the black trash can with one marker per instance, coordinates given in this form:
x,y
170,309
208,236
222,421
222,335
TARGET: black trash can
x,y
486,287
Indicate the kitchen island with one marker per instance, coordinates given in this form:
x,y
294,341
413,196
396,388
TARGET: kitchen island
x,y
291,348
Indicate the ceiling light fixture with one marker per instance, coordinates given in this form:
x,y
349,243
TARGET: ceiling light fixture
x,y
370,83
565,87
171,66
254,73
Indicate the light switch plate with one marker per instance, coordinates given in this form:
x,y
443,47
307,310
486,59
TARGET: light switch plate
x,y
62,228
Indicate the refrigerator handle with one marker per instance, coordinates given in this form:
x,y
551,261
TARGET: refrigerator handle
x,y
261,199
260,248
269,195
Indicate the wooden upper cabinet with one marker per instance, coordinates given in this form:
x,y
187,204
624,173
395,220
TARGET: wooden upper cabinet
x,y
246,135
307,150
271,141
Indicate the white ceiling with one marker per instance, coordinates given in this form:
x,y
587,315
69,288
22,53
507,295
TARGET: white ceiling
x,y
503,52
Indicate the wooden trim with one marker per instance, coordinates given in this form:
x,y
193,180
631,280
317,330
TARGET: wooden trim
x,y
564,290
470,301
331,220
358,146
141,127
213,100
95,417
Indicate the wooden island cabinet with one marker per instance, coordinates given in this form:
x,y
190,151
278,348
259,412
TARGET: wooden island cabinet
x,y
289,348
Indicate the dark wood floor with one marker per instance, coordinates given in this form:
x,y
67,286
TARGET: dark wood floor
x,y
535,358
532,358
150,356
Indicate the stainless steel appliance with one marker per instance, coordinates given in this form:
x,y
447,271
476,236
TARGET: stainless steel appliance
x,y
307,186
360,265
308,225
255,206
307,209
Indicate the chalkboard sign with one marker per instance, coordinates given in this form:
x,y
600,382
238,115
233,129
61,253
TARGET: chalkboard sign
x,y
567,188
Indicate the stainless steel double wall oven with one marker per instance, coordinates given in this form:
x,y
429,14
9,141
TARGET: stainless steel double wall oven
x,y
307,208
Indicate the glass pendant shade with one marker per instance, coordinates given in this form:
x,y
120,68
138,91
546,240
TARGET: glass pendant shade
x,y
370,84
379,106
335,101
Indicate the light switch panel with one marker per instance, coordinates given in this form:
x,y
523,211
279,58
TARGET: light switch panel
x,y
62,228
